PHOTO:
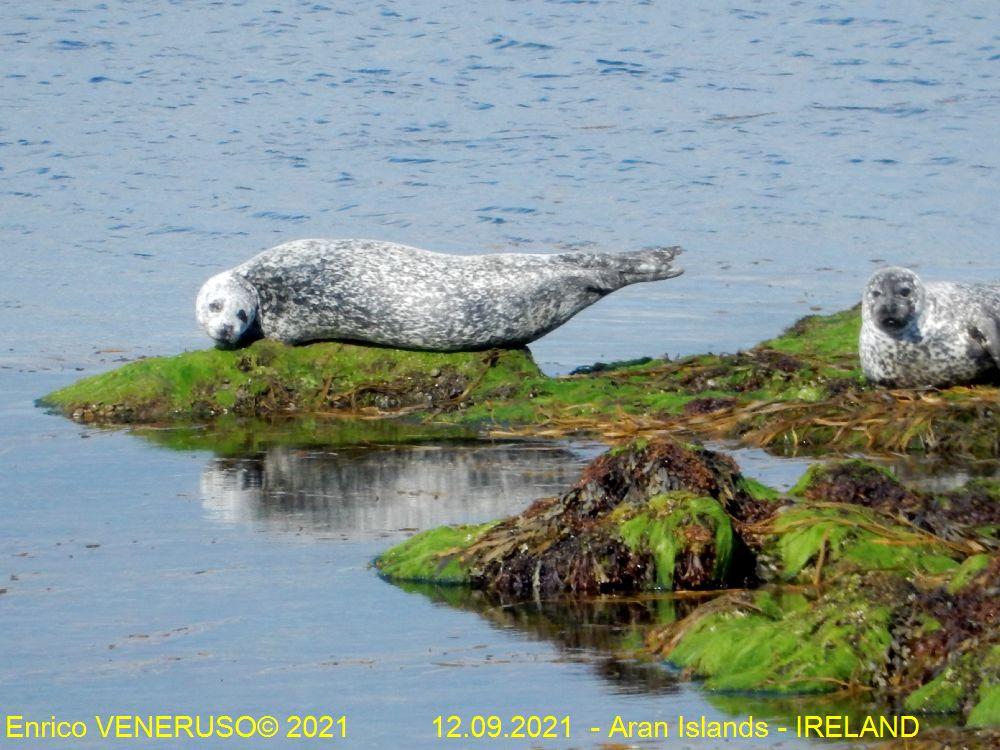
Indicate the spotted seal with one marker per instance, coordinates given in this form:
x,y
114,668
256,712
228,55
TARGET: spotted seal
x,y
939,333
394,295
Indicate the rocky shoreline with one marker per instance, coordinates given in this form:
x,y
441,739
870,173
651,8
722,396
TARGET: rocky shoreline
x,y
802,392
851,582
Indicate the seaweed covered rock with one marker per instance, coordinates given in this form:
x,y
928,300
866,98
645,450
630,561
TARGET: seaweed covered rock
x,y
857,516
961,515
269,378
854,582
918,649
947,652
902,599
787,643
802,391
653,515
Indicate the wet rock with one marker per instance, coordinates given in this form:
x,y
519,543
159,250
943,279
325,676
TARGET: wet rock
x,y
708,405
654,514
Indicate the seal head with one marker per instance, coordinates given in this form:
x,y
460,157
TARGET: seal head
x,y
894,300
227,307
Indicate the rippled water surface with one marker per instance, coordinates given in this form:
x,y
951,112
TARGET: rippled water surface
x,y
146,145
143,146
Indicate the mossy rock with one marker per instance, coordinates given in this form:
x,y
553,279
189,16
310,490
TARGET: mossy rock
x,y
269,378
433,556
654,515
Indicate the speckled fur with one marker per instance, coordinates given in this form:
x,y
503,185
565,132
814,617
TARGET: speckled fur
x,y
394,295
938,334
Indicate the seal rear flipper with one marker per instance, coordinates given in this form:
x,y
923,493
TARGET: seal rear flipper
x,y
649,265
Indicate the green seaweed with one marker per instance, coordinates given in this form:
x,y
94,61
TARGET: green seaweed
x,y
758,490
790,645
968,570
658,528
432,556
986,710
986,713
822,336
269,377
856,536
942,695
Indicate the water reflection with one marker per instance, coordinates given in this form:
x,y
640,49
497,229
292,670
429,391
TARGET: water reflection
x,y
606,632
609,633
358,492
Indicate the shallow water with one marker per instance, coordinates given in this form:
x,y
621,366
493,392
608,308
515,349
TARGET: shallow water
x,y
151,580
790,150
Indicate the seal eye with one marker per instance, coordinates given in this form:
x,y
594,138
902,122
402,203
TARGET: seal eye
x,y
242,315
876,293
216,306
904,292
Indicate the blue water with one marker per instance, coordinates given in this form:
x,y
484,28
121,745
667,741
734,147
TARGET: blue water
x,y
788,149
143,146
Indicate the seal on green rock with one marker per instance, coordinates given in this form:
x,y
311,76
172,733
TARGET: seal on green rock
x,y
916,334
389,294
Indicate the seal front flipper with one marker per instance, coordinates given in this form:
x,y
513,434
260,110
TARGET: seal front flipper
x,y
987,333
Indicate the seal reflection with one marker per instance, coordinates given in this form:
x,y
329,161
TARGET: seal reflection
x,y
364,492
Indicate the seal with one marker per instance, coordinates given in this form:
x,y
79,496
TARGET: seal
x,y
394,295
939,333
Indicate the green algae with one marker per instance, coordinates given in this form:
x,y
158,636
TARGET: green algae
x,y
269,378
986,713
856,536
967,571
758,490
972,677
823,336
669,524
433,555
791,646
942,695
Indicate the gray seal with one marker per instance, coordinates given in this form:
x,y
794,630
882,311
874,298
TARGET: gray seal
x,y
939,333
394,295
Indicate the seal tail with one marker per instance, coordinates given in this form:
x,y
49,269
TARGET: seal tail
x,y
649,265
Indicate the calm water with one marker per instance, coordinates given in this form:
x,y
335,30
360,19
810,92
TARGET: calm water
x,y
145,146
